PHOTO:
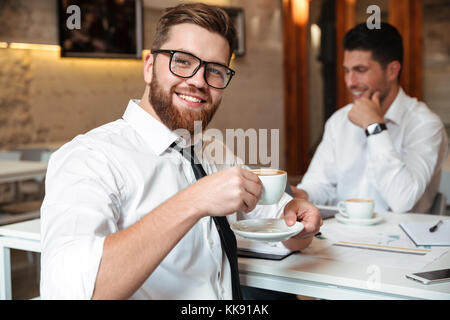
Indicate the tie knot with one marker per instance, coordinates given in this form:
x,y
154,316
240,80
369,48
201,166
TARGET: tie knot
x,y
187,152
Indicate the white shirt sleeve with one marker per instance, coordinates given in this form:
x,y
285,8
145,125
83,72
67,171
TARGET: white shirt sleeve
x,y
80,209
401,178
320,180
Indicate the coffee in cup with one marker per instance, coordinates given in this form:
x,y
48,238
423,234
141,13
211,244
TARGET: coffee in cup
x,y
356,208
274,184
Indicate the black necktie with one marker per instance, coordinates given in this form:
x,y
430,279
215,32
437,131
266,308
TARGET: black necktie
x,y
227,238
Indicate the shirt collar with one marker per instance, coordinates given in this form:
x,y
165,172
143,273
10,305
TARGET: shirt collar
x,y
155,133
395,111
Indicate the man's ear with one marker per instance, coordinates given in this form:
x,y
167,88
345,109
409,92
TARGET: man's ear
x,y
148,68
393,70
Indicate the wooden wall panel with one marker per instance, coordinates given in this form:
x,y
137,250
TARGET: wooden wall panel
x,y
295,58
345,20
407,17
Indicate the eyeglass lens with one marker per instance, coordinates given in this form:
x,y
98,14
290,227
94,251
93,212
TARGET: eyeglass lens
x,y
185,65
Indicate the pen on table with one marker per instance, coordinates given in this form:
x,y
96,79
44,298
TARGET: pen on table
x,y
434,228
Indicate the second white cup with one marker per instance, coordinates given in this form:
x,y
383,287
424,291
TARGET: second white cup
x,y
356,208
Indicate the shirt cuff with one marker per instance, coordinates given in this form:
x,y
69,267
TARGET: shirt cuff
x,y
379,144
311,194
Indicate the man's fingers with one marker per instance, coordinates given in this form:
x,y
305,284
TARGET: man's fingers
x,y
290,216
312,226
249,201
306,213
249,175
252,183
376,98
309,230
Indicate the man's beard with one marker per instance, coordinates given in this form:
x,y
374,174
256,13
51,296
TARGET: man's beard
x,y
175,118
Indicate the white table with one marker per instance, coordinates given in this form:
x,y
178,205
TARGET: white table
x,y
22,236
313,276
51,145
299,274
14,171
8,218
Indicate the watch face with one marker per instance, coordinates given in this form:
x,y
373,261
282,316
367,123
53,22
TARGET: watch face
x,y
375,128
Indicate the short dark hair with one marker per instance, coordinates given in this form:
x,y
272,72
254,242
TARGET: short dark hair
x,y
211,18
386,43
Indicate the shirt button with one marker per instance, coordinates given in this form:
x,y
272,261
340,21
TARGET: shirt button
x,y
211,242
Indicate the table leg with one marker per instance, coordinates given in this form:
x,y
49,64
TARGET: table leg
x,y
5,274
17,195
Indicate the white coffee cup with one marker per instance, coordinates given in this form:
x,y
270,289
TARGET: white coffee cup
x,y
274,184
356,208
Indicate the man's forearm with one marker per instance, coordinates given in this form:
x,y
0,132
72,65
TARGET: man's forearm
x,y
131,255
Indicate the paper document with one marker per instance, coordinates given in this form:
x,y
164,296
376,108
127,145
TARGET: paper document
x,y
387,246
420,234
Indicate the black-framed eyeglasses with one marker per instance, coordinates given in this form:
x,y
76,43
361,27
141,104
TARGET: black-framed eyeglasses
x,y
186,65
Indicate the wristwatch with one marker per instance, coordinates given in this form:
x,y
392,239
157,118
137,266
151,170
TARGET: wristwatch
x,y
375,128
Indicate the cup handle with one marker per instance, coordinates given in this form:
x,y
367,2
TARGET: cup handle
x,y
341,208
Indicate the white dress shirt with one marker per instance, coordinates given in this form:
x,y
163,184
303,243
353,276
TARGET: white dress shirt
x,y
106,180
400,168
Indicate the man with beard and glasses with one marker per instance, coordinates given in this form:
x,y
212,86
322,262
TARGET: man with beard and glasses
x,y
126,215
385,145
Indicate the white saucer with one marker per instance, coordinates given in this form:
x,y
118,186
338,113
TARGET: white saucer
x,y
377,217
268,230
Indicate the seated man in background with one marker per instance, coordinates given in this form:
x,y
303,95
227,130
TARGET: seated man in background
x,y
385,146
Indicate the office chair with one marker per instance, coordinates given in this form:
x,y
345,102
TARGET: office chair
x,y
439,206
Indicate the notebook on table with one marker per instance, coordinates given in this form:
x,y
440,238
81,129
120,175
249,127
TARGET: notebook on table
x,y
262,250
419,232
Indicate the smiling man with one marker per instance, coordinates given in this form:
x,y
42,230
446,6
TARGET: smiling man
x,y
385,145
126,215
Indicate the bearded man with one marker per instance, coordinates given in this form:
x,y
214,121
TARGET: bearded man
x,y
126,215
